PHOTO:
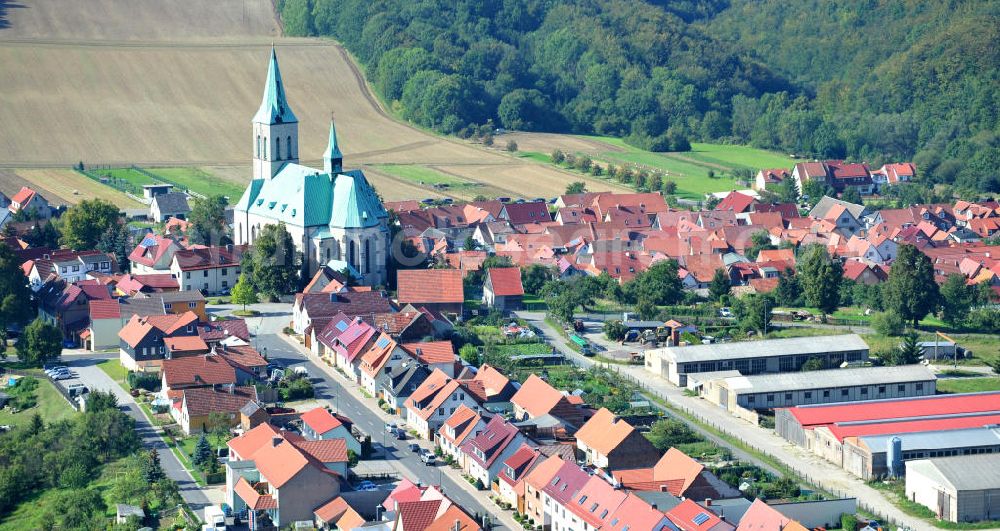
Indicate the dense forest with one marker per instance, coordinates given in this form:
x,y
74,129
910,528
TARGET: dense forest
x,y
864,79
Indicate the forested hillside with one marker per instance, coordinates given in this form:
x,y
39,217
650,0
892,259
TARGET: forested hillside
x,y
865,80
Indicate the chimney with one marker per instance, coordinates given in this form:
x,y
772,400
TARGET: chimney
x,y
708,502
653,505
663,488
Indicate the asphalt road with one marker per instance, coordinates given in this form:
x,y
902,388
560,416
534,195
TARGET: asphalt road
x,y
348,403
97,380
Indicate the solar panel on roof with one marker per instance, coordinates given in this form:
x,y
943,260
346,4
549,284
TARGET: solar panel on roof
x,y
149,241
700,518
382,342
342,325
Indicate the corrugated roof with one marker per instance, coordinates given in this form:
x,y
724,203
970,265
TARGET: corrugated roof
x,y
963,472
932,440
792,381
926,406
764,349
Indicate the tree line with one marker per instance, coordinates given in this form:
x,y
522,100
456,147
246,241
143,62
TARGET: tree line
x,y
661,74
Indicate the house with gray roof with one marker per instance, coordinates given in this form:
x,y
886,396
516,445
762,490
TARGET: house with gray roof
x,y
331,214
166,206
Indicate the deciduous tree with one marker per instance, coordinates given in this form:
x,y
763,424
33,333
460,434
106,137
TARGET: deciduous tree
x,y
272,262
244,292
820,277
911,290
40,342
207,221
84,223
720,285
957,299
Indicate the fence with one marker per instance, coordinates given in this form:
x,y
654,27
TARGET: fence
x,y
4,371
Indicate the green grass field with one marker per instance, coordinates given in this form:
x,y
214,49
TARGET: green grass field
x,y
421,175
690,169
535,156
968,385
200,181
50,405
127,174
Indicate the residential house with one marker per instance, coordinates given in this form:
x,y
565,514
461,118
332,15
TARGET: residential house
x,y
319,424
398,384
345,348
199,408
736,203
436,355
486,451
70,266
380,358
689,516
67,306
438,290
513,472
525,213
211,270
770,177
558,493
536,398
462,424
434,401
180,302
404,326
30,201
762,516
310,306
154,254
338,514
129,285
534,482
679,475
183,346
491,388
243,357
502,288
169,205
142,347
608,442
281,475
844,175
214,332
592,507
197,371
108,317
865,273
894,173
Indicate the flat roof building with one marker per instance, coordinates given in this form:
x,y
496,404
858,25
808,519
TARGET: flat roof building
x,y
742,395
755,357
958,489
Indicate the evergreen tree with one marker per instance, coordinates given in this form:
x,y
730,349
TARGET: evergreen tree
x,y
957,299
911,290
788,291
117,240
820,277
272,262
152,469
202,455
720,285
907,353
754,312
788,191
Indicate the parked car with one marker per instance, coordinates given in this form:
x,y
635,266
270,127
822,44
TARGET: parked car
x,y
428,458
55,368
77,389
400,434
414,447
390,427
725,312
61,376
366,486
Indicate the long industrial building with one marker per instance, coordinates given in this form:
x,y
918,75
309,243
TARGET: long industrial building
x,y
743,394
855,435
755,357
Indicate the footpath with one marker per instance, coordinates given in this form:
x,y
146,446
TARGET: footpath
x,y
501,516
812,468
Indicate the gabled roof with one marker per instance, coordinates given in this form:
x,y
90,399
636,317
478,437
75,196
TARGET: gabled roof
x,y
542,474
596,501
537,397
185,344
520,462
736,202
566,482
494,382
423,286
431,352
105,309
762,516
378,354
492,441
453,519
505,281
23,196
675,470
202,401
528,212
151,249
635,514
172,203
209,257
690,516
417,515
197,371
138,327
350,303
463,421
320,420
604,432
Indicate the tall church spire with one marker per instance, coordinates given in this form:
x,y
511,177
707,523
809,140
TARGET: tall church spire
x,y
274,107
333,159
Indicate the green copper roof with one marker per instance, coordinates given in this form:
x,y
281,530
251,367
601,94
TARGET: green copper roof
x,y
355,203
332,148
274,107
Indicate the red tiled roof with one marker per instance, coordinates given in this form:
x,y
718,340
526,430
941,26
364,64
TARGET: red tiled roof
x,y
139,326
185,344
254,499
418,515
332,510
736,202
521,213
197,371
206,400
453,519
762,516
431,352
326,450
928,406
505,281
320,420
596,501
497,434
536,396
604,431
422,286
684,516
209,257
462,421
105,309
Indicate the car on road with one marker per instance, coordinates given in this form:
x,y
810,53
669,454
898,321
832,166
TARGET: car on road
x,y
400,434
428,457
414,447
56,368
61,376
366,486
390,427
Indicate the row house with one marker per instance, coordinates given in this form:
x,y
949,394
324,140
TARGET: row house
x,y
210,270
69,266
436,399
464,423
383,355
609,442
397,385
324,306
319,424
679,475
486,451
201,409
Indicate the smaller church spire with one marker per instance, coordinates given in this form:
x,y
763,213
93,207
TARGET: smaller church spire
x,y
333,159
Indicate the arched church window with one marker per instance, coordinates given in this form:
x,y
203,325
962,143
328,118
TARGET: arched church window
x,y
352,254
288,146
367,252
257,148
277,148
327,254
265,148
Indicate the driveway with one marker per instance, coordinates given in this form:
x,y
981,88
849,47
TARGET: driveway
x,y
343,396
97,380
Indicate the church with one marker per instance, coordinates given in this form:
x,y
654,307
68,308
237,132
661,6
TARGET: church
x,y
334,216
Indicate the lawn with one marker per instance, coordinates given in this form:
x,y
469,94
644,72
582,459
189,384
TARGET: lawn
x,y
535,156
51,406
733,156
968,385
114,369
200,181
421,175
129,175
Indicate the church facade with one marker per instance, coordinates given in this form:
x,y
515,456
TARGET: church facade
x,y
334,216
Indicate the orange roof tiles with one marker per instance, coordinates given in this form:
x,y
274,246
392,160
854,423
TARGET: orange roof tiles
x,y
197,371
326,450
431,352
536,396
320,420
604,431
453,519
185,344
505,281
430,286
494,381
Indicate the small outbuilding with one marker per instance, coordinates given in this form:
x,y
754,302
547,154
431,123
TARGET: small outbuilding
x,y
124,511
502,289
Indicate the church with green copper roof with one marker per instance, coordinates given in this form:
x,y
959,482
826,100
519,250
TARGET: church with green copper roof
x,y
333,215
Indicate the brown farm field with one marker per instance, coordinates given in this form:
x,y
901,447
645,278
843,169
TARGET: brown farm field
x,y
62,186
176,83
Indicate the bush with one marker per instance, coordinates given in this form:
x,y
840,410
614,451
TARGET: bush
x,y
888,323
295,388
142,380
848,522
614,330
